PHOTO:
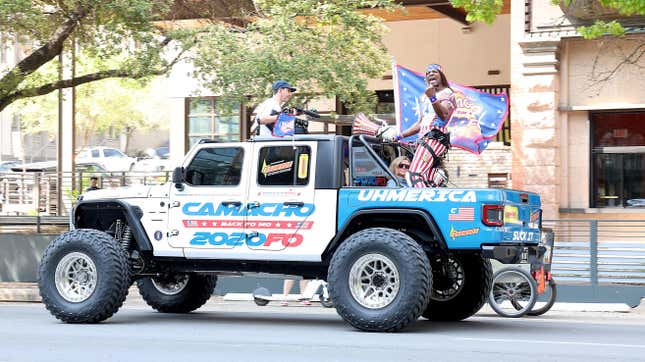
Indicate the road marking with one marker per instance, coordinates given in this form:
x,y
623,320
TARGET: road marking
x,y
504,340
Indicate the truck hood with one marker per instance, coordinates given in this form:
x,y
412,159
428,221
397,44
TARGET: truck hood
x,y
137,191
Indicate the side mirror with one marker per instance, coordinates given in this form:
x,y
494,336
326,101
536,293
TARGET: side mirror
x,y
178,177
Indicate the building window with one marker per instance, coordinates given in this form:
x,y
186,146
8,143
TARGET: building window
x,y
497,180
210,119
618,159
504,134
385,104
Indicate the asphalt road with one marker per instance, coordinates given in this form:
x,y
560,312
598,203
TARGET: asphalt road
x,y
241,331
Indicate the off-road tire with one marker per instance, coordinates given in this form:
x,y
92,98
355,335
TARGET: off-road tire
x,y
112,276
196,293
472,295
415,279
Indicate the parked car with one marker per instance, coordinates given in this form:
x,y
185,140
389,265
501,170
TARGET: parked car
x,y
155,160
111,159
162,152
50,166
152,165
5,166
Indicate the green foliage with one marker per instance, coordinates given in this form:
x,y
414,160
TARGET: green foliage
x,y
626,7
115,104
323,47
600,27
480,10
121,33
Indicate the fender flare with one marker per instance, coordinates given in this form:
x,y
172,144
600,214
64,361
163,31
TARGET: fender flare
x,y
432,225
132,215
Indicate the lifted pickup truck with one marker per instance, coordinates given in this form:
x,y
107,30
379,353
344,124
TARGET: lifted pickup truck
x,y
312,207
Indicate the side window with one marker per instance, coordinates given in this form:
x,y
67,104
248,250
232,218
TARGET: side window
x,y
216,167
95,153
284,166
111,152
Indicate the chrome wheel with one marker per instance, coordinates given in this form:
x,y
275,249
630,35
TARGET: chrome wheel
x,y
75,277
374,281
171,285
447,286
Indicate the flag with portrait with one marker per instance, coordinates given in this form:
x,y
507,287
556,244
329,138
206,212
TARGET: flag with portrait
x,y
476,120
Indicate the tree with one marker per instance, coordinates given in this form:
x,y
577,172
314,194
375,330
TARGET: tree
x,y
121,32
329,48
324,46
487,10
120,105
614,27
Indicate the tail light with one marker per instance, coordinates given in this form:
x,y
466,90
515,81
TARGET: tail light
x,y
493,215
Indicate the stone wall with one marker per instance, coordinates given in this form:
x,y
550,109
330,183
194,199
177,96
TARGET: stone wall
x,y
472,171
535,118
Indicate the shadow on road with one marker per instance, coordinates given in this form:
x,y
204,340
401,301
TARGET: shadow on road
x,y
309,320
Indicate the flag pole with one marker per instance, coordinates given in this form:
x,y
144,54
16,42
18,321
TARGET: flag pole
x,y
397,100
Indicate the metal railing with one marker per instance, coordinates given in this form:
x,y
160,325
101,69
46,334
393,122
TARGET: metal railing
x,y
594,252
37,193
599,252
31,224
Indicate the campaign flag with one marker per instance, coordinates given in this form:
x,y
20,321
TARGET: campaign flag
x,y
285,125
473,124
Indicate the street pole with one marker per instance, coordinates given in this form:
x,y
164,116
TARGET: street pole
x,y
65,146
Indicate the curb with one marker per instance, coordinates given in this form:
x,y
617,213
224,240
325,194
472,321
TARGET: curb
x,y
19,292
592,307
28,292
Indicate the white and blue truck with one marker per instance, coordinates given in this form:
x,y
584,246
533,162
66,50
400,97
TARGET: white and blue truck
x,y
313,206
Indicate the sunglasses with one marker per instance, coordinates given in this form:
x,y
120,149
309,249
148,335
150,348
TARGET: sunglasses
x,y
404,165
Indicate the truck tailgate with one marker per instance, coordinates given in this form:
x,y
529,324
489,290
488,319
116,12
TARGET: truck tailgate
x,y
522,216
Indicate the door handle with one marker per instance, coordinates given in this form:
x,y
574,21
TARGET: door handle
x,y
252,234
294,203
252,205
231,203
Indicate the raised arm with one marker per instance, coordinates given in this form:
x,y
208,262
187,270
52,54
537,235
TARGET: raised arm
x,y
443,107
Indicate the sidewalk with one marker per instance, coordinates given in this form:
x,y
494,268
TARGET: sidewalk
x,y
19,292
28,292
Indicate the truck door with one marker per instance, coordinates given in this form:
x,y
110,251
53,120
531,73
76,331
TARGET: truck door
x,y
206,217
281,211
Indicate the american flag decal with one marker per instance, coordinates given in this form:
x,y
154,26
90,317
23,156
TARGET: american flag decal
x,y
462,214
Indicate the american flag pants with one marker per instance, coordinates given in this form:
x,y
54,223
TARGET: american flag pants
x,y
423,165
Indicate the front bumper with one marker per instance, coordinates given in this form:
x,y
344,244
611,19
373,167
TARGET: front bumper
x,y
512,253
